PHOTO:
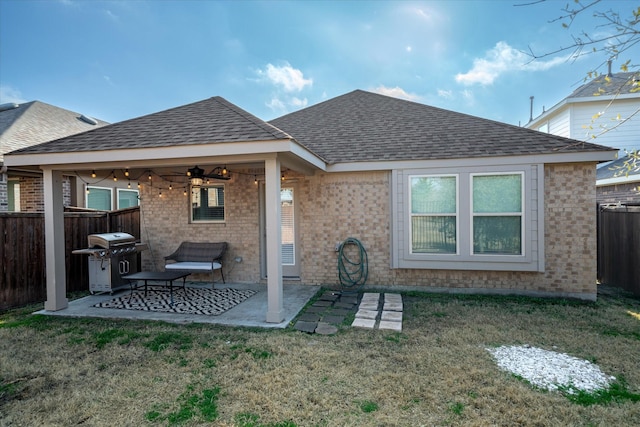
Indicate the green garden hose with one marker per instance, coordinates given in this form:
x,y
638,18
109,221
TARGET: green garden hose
x,y
353,265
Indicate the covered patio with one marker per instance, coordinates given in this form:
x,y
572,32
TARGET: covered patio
x,y
248,313
156,152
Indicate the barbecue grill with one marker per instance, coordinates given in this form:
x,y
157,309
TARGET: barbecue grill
x,y
111,256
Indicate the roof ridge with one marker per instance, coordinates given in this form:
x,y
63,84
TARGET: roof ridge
x,y
268,127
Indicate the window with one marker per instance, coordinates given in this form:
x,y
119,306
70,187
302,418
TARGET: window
x,y
207,203
99,198
434,214
127,198
497,214
469,218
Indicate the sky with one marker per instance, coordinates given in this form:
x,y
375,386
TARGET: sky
x,y
116,60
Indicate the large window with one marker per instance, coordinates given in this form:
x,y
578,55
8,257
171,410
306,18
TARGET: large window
x,y
127,198
99,198
469,218
434,214
207,203
497,214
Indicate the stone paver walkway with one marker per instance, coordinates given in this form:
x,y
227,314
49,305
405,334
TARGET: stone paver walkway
x,y
381,310
372,310
329,311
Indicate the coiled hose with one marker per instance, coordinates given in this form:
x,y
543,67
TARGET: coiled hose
x,y
353,265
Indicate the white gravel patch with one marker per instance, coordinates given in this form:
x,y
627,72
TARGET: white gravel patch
x,y
549,370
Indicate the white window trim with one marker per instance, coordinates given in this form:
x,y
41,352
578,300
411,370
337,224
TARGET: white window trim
x,y
457,213
533,223
126,189
91,187
208,221
522,213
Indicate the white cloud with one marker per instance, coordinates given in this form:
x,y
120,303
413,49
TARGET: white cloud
x,y
276,104
396,92
9,94
298,103
503,59
447,94
287,77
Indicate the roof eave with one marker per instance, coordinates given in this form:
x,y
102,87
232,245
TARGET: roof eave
x,y
564,157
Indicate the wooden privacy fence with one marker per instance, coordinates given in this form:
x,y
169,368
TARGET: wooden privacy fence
x,y
619,247
22,250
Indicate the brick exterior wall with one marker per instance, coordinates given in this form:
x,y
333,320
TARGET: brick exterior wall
x,y
619,193
335,206
32,193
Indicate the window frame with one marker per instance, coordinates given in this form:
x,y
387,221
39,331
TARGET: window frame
x,y
456,215
532,225
88,190
522,215
131,190
193,220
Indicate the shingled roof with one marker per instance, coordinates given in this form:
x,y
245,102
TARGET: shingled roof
x,y
213,120
362,126
35,122
614,84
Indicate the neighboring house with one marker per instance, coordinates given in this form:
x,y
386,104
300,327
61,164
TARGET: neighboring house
x,y
35,122
440,200
605,110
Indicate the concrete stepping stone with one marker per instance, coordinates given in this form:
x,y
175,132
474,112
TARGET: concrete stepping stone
x,y
334,320
392,316
325,329
364,323
309,317
368,306
329,297
392,306
303,326
370,296
392,326
322,304
367,314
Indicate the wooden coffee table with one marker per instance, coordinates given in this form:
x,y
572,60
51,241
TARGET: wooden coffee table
x,y
157,276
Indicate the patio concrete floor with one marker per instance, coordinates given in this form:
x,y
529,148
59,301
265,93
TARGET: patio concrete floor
x,y
251,312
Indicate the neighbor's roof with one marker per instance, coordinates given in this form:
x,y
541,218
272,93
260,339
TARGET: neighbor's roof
x,y
363,126
213,120
618,168
35,122
615,84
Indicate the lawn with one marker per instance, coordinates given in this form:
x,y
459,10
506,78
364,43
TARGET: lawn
x,y
58,371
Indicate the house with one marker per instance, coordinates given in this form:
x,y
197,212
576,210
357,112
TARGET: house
x,y
603,110
35,122
440,200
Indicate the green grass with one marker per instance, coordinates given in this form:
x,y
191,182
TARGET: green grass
x,y
66,371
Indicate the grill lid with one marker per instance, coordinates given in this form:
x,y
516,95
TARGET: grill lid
x,y
108,240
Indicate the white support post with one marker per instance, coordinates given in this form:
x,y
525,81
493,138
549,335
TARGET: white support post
x,y
275,311
54,241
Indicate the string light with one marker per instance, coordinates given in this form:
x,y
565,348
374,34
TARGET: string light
x,y
139,186
93,174
126,172
129,184
170,186
255,179
115,178
149,176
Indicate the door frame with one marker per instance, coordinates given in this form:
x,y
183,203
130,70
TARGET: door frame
x,y
291,272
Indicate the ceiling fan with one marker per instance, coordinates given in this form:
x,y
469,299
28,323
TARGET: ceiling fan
x,y
196,175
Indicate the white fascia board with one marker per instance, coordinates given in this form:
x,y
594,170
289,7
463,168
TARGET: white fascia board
x,y
165,156
617,180
537,121
568,157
